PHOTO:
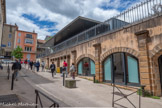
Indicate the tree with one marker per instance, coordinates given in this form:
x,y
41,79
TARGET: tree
x,y
17,53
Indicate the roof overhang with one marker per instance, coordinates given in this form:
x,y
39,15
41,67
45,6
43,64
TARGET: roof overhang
x,y
77,26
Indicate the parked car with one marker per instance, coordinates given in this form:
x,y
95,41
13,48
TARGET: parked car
x,y
6,61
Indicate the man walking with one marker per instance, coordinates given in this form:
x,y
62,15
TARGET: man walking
x,y
72,70
65,68
37,66
31,65
43,65
52,67
16,67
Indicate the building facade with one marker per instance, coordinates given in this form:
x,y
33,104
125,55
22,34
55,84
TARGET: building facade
x,y
8,39
2,20
126,49
28,42
40,49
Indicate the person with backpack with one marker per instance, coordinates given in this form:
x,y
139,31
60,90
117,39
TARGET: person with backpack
x,y
52,67
16,67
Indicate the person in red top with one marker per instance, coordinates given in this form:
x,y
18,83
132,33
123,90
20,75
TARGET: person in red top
x,y
86,66
65,68
25,62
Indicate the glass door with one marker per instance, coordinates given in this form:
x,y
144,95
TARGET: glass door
x,y
119,67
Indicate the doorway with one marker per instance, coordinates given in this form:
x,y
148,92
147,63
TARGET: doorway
x,y
160,69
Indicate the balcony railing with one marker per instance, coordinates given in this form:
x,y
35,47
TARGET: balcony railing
x,y
137,13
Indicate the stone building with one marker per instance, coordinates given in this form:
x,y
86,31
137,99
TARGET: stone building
x,y
123,51
2,20
8,39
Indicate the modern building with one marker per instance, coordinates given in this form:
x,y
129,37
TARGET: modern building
x,y
8,39
125,50
2,20
28,42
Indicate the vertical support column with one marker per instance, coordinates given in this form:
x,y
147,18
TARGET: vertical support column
x,y
144,64
98,72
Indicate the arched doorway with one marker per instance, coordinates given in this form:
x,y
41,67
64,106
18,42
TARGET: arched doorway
x,y
86,67
121,68
160,69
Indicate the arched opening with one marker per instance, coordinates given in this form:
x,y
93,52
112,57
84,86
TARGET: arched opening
x,y
121,68
160,69
86,67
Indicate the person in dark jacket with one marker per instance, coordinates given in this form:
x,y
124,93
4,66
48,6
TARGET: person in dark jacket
x,y
31,65
16,67
37,66
52,67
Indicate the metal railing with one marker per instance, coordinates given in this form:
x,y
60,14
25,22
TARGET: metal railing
x,y
137,13
54,103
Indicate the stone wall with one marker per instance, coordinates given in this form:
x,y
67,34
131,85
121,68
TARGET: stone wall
x,y
142,40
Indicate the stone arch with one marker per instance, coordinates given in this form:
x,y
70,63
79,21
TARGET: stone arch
x,y
157,49
154,55
119,49
83,56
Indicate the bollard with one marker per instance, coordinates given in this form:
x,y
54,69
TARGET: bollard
x,y
8,70
63,78
12,83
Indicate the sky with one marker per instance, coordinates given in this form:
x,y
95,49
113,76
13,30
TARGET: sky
x,y
47,17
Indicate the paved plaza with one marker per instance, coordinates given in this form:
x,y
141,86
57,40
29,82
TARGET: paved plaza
x,y
87,93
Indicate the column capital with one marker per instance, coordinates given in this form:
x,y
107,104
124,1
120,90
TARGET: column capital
x,y
143,32
97,45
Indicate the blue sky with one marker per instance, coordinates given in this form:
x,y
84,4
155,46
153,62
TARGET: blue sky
x,y
47,17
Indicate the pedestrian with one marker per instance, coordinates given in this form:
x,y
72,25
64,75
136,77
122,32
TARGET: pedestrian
x,y
1,67
28,61
25,62
16,67
37,66
43,65
31,65
86,67
72,70
52,67
65,68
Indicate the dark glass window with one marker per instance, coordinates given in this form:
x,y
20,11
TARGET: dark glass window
x,y
29,36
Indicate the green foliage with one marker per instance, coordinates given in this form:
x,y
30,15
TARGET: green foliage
x,y
147,94
17,53
96,81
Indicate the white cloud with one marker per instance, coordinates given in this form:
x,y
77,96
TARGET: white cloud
x,y
59,11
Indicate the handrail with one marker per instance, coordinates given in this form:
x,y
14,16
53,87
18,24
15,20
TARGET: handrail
x,y
55,104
